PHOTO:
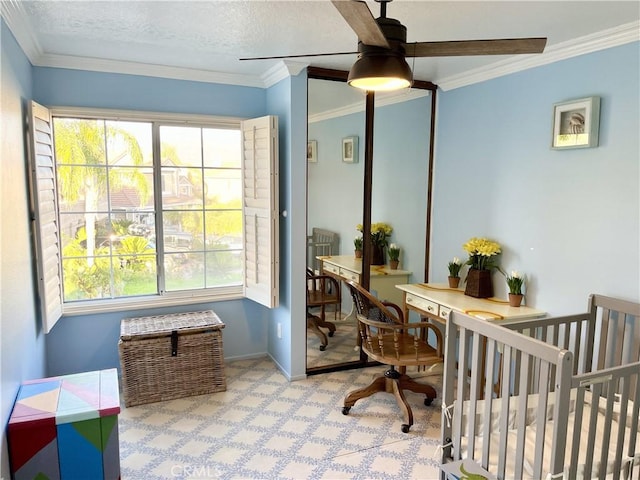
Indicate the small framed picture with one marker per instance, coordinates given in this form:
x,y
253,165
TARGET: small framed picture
x,y
312,151
576,123
350,150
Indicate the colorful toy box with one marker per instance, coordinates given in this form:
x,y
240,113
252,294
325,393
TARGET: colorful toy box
x,y
66,428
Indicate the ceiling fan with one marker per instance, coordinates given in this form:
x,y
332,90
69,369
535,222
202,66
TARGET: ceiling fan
x,y
383,47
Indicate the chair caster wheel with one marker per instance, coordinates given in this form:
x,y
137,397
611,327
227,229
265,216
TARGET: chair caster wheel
x,y
323,348
345,410
405,428
428,401
331,334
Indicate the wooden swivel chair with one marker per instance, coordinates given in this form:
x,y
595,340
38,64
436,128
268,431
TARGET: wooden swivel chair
x,y
388,340
322,290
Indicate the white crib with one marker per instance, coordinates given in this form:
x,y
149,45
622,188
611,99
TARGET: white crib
x,y
545,398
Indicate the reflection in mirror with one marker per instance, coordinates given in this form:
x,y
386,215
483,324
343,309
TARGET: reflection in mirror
x,y
334,208
336,191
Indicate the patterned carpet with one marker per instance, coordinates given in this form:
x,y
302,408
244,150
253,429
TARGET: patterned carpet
x,y
340,348
264,427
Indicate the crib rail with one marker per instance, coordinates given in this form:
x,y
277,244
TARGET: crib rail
x,y
607,335
526,384
492,354
609,391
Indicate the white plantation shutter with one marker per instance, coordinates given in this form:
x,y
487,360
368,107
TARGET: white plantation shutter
x,y
260,191
43,203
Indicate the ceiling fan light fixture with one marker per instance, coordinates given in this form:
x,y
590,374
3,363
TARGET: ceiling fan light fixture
x,y
380,72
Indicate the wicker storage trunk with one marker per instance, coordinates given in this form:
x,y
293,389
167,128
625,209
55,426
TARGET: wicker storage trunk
x,y
171,356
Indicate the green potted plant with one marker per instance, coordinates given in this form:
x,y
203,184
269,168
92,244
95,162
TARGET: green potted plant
x,y
394,256
380,232
357,244
454,272
515,281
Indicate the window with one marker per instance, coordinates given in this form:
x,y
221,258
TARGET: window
x,y
136,208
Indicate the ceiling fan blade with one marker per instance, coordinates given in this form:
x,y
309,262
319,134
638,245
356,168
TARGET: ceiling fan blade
x,y
299,56
507,46
361,21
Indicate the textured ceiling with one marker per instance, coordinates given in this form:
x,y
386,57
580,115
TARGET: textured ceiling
x,y
210,36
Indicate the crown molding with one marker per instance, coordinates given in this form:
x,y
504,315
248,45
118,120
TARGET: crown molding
x,y
280,71
388,98
16,19
146,69
613,37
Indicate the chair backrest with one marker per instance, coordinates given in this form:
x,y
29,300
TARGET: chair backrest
x,y
370,307
321,242
386,338
322,290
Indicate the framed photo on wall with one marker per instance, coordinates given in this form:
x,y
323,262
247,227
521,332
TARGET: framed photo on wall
x,y
350,150
576,123
312,151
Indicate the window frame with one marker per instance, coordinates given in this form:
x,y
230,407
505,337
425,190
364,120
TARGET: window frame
x,y
160,299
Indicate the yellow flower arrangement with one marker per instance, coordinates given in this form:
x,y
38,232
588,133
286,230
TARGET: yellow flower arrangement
x,y
379,233
481,251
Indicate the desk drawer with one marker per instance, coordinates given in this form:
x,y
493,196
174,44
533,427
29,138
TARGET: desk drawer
x,y
331,268
422,304
444,312
349,275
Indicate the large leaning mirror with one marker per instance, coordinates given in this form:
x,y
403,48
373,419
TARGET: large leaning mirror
x,y
336,193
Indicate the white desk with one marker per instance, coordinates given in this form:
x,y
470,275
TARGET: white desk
x,y
437,300
383,280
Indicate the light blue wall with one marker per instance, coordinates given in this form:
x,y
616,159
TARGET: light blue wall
x,y
22,343
287,99
78,88
568,219
89,342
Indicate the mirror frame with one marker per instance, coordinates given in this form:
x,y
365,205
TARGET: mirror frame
x,y
341,76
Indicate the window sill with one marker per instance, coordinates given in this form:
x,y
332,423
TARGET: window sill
x,y
90,307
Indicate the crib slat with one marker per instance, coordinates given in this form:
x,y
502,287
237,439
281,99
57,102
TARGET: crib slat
x,y
605,438
473,394
577,356
604,336
504,412
449,376
635,418
577,431
515,381
596,391
488,401
622,422
541,419
460,394
620,324
522,414
612,339
552,338
566,336
632,348
591,333
561,411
